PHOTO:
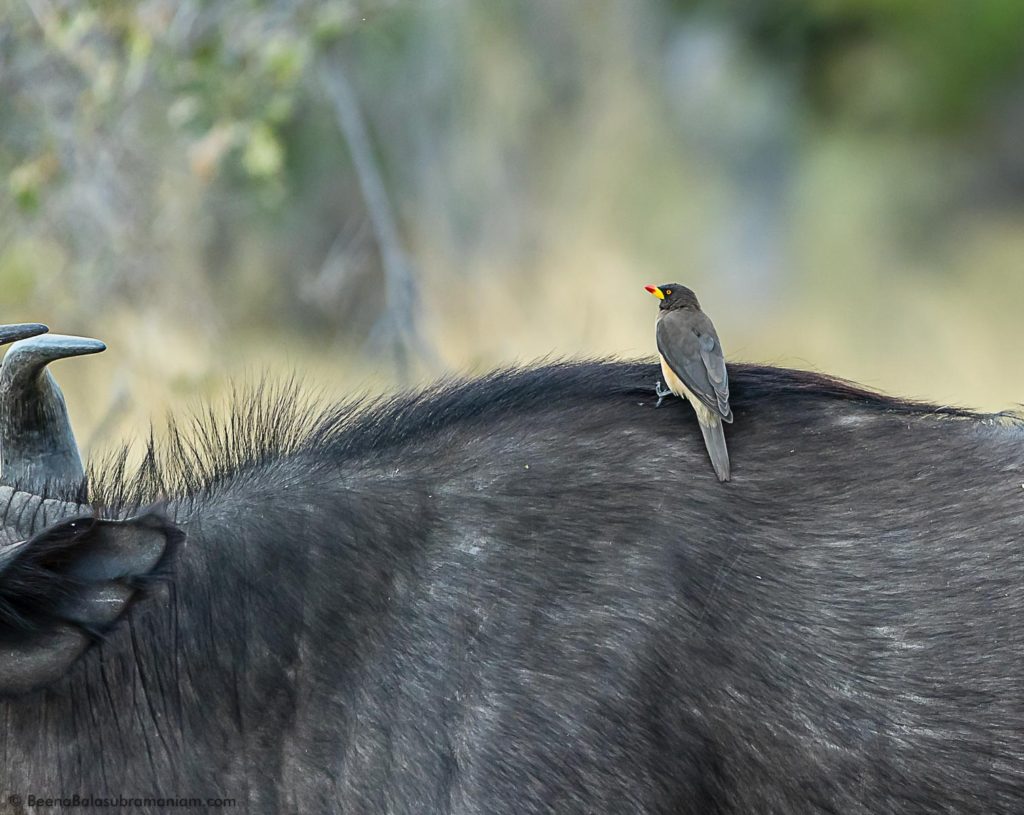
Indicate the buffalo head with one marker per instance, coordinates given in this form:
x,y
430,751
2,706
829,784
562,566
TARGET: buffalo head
x,y
66,576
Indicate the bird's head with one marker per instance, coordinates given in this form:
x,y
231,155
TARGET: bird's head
x,y
674,295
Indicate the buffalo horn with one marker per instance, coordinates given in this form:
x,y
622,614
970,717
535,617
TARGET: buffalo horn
x,y
38,447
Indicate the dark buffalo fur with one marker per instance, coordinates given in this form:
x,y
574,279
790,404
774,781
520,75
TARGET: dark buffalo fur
x,y
528,593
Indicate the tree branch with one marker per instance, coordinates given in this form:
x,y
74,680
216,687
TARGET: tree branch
x,y
398,325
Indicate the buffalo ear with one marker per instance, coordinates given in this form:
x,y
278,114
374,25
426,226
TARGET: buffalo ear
x,y
68,585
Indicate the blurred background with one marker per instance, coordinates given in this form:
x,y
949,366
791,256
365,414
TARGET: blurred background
x,y
372,194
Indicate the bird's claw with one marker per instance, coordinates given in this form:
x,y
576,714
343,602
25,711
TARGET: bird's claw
x,y
661,393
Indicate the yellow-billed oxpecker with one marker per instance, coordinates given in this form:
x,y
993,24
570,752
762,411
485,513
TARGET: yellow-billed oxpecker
x,y
693,366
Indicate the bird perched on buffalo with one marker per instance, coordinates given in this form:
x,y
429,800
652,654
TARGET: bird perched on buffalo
x,y
693,366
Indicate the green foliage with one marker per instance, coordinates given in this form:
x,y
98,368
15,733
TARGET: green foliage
x,y
28,180
943,58
235,76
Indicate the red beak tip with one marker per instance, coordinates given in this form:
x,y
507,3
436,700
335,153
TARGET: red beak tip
x,y
649,288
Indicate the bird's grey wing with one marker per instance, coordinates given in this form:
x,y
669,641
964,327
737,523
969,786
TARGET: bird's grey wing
x,y
714,361
690,346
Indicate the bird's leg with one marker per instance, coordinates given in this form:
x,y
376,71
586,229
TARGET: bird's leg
x,y
661,393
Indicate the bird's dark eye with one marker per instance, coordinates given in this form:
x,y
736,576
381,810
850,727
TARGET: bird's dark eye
x,y
668,291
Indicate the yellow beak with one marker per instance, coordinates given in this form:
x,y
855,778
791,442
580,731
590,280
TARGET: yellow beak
x,y
656,292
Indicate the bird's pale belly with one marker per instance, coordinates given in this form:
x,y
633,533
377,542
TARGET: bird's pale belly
x,y
675,384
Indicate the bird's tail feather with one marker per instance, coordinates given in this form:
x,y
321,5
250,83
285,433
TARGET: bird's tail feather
x,y
714,440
